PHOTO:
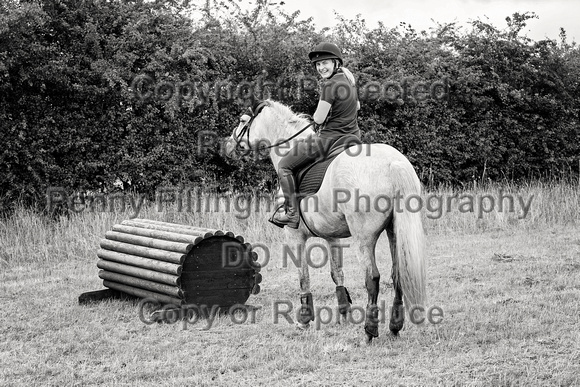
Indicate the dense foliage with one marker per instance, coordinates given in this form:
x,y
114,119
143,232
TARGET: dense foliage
x,y
137,93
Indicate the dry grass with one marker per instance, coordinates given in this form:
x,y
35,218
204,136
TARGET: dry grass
x,y
509,289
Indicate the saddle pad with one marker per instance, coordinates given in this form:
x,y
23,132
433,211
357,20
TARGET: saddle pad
x,y
310,178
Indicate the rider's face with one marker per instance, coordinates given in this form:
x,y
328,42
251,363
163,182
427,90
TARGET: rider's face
x,y
325,68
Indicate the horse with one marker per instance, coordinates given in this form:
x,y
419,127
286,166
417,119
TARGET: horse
x,y
363,175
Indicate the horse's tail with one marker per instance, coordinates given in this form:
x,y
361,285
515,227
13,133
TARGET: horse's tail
x,y
409,267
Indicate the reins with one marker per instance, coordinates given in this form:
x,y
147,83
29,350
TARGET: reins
x,y
247,127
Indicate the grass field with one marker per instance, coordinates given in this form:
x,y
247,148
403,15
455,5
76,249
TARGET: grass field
x,y
509,289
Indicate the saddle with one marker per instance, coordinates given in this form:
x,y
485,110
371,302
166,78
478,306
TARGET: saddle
x,y
309,179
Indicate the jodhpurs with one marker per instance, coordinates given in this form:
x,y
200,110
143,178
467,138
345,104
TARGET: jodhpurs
x,y
305,152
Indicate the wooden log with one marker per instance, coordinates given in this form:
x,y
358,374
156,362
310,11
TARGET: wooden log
x,y
142,293
145,263
179,230
214,231
158,234
133,271
252,254
178,247
141,283
141,251
159,222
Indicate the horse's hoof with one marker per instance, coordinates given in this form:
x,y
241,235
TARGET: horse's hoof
x,y
343,319
372,331
395,327
368,340
302,327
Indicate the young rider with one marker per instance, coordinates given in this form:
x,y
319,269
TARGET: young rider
x,y
336,116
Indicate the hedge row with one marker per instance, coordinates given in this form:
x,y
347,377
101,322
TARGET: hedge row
x,y
101,94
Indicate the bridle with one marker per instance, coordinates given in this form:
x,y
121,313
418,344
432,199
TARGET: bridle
x,y
246,130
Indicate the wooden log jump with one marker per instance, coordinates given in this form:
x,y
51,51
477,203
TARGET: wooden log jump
x,y
176,264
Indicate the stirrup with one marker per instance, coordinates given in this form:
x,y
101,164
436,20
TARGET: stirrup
x,y
272,218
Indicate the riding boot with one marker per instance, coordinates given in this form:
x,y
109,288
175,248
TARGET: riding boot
x,y
291,217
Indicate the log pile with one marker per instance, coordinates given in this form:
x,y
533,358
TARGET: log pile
x,y
178,264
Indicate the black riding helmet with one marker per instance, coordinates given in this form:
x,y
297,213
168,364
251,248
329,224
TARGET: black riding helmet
x,y
324,51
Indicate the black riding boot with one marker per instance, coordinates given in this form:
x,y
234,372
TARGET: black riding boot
x,y
291,217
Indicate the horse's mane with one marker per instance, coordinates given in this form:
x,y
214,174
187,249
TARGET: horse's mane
x,y
284,112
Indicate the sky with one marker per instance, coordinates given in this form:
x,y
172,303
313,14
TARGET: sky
x,y
420,14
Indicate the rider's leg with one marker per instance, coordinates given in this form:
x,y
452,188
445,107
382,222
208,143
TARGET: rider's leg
x,y
303,153
291,217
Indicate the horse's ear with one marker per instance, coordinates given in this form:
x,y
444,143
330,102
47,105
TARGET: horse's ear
x,y
258,106
255,104
251,103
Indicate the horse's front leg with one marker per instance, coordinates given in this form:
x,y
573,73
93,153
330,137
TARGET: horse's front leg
x,y
337,275
306,312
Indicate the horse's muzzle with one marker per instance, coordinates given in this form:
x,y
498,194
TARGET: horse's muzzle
x,y
229,146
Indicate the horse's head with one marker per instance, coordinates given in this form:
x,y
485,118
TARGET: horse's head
x,y
251,134
269,125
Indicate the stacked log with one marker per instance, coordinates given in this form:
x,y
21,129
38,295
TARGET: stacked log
x,y
178,264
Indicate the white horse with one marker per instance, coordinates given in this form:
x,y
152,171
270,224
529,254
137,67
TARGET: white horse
x,y
365,191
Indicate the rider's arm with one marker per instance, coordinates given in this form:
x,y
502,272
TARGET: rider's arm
x,y
321,112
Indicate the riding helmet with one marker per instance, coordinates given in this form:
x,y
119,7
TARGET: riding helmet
x,y
324,51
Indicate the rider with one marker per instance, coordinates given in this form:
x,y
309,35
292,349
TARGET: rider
x,y
336,117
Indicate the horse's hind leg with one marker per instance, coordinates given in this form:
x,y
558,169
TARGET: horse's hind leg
x,y
366,250
397,311
336,263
